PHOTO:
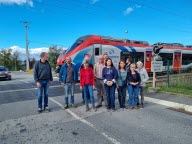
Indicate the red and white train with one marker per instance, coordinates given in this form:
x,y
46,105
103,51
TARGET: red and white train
x,y
179,56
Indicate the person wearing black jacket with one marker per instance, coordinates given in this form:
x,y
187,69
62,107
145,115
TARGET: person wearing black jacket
x,y
133,79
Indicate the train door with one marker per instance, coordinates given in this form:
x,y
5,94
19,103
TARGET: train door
x,y
177,60
148,59
97,50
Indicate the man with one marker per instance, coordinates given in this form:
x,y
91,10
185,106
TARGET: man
x,y
99,80
43,78
105,56
68,77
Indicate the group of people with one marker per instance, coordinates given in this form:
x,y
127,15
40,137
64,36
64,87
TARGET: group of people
x,y
103,76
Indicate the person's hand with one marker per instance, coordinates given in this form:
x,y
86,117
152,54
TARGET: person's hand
x,y
38,84
62,83
51,83
81,87
109,83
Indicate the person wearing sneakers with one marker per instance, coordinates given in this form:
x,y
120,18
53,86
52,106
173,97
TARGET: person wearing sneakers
x,y
133,79
144,78
43,78
99,80
68,77
87,84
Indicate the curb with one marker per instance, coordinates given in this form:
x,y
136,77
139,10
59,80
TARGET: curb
x,y
187,108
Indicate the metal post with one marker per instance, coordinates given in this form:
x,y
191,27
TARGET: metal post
x,y
168,74
154,79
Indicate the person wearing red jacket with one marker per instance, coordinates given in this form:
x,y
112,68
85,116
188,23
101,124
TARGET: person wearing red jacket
x,y
87,84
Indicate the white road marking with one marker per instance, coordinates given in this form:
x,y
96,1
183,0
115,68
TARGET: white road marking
x,y
23,81
27,89
86,122
169,104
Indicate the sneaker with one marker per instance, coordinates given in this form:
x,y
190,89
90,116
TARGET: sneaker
x,y
65,106
112,109
73,106
98,106
87,108
142,106
39,110
47,109
94,109
83,101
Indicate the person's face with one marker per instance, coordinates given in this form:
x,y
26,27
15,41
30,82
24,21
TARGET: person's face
x,y
109,62
139,66
122,64
127,61
45,57
132,68
68,60
101,60
85,65
105,57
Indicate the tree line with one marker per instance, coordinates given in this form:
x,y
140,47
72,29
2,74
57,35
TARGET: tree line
x,y
13,62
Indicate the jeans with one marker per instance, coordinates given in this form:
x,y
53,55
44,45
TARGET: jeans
x,y
133,94
122,95
88,89
110,94
69,88
44,88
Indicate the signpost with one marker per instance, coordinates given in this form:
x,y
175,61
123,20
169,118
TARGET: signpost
x,y
156,66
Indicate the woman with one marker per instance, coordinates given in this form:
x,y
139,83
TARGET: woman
x,y
109,74
144,78
122,83
133,79
87,84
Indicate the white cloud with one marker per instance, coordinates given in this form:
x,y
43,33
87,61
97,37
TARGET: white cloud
x,y
18,2
131,9
33,52
138,6
128,11
93,1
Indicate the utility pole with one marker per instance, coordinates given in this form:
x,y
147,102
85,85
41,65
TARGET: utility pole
x,y
126,34
27,43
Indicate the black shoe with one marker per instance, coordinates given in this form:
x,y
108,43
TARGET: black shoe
x,y
102,99
98,106
87,108
65,106
142,106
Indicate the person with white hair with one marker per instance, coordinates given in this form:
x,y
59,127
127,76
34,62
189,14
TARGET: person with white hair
x,y
144,78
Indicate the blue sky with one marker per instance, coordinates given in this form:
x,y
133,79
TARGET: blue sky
x,y
61,22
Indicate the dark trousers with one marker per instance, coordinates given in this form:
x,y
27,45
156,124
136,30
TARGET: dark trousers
x,y
88,95
122,95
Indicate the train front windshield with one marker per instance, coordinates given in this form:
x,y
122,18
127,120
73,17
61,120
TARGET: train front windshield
x,y
78,42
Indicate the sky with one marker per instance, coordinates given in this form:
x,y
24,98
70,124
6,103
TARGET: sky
x,y
61,22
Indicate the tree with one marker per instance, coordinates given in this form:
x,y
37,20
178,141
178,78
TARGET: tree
x,y
54,53
5,57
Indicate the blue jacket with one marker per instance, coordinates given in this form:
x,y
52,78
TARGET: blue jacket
x,y
109,74
63,73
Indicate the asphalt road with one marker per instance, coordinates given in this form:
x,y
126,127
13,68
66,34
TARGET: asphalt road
x,y
20,122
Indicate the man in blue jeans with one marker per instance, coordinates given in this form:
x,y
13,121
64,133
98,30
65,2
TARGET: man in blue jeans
x,y
68,76
43,78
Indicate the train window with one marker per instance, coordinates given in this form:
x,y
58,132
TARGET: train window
x,y
165,57
186,59
96,51
136,56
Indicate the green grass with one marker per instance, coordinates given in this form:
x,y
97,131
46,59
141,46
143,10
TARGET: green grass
x,y
185,90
